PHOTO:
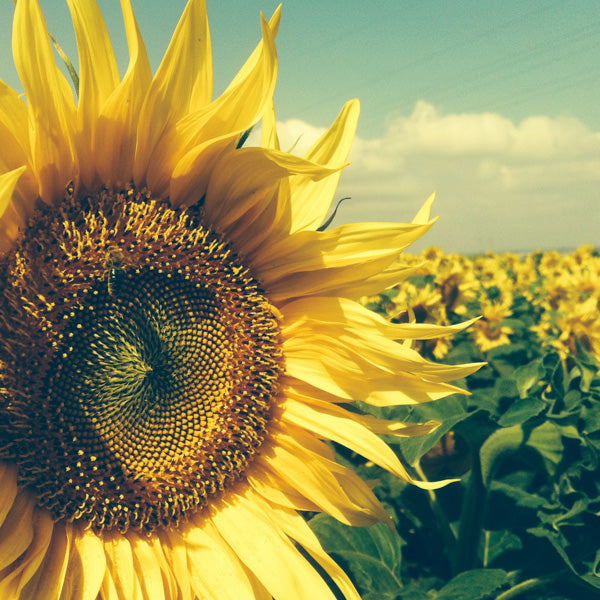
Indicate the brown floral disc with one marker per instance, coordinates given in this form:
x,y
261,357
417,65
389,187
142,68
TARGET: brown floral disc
x,y
139,361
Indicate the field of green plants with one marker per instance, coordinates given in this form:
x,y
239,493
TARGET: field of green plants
x,y
523,521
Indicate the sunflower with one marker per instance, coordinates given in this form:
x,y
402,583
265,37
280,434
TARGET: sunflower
x,y
177,335
457,284
490,332
415,304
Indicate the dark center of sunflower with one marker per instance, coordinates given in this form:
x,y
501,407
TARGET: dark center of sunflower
x,y
138,362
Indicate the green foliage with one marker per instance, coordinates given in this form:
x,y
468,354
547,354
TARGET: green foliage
x,y
524,520
372,554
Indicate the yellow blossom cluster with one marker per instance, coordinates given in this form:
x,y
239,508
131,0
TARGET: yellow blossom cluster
x,y
549,297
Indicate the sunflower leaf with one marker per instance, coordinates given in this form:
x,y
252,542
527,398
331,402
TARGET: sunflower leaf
x,y
372,556
478,584
449,411
528,375
521,410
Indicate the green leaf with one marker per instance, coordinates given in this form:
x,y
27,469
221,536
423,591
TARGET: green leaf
x,y
550,361
421,281
591,417
508,354
528,375
562,547
421,589
478,584
449,411
499,542
508,439
506,388
519,495
516,324
572,400
555,369
521,410
371,556
588,364
547,440
485,399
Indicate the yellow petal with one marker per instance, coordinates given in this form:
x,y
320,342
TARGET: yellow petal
x,y
10,219
268,553
297,528
148,556
393,357
16,533
215,570
8,488
50,103
332,424
424,214
15,153
182,84
114,145
333,488
147,565
311,199
191,174
326,402
269,137
47,583
298,264
120,579
98,77
353,317
171,585
397,428
351,431
176,557
407,389
12,584
87,566
13,115
257,55
346,281
14,147
238,179
331,365
269,487
238,108
360,345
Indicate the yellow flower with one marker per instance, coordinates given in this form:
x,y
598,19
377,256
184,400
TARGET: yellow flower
x,y
488,332
456,282
177,338
573,324
580,322
422,305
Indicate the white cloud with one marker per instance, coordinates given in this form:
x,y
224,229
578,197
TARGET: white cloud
x,y
501,185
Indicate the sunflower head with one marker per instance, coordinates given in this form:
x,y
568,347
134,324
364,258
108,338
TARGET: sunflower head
x,y
142,356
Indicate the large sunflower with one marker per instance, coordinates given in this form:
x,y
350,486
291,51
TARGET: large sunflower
x,y
177,337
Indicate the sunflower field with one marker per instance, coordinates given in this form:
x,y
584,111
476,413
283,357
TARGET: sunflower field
x,y
523,520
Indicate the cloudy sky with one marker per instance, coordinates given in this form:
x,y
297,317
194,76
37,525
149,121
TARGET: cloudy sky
x,y
495,105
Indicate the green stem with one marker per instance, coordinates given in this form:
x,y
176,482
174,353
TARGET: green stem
x,y
527,585
471,520
448,537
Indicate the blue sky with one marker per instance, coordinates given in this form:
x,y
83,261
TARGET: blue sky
x,y
492,104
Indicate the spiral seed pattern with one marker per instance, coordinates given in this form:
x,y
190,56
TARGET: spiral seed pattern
x,y
139,361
